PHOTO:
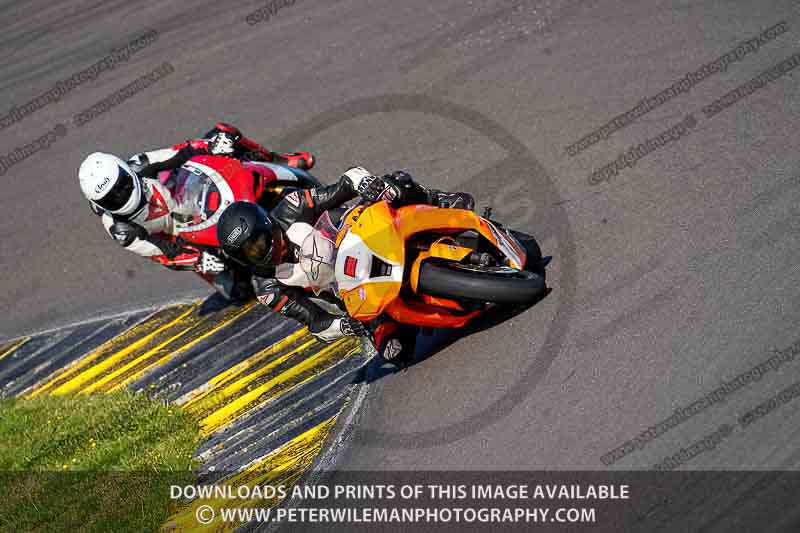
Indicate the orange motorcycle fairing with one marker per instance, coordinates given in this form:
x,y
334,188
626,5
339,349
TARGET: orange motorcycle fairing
x,y
369,301
414,219
369,235
376,235
444,248
442,302
423,315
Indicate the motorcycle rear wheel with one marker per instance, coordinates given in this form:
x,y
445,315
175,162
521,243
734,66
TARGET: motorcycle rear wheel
x,y
500,285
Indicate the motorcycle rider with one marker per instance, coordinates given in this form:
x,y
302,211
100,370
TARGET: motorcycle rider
x,y
134,205
269,243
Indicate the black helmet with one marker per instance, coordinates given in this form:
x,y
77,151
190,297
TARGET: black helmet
x,y
248,234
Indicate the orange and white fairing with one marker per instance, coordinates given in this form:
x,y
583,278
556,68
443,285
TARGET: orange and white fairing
x,y
371,257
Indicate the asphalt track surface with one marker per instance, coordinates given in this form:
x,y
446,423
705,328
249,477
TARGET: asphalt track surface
x,y
668,279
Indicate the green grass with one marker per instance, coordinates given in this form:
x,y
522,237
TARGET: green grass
x,y
91,463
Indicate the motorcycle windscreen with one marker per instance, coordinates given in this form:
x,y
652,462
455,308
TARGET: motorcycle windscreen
x,y
196,197
318,255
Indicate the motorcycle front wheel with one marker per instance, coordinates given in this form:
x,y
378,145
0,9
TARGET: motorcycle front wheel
x,y
500,285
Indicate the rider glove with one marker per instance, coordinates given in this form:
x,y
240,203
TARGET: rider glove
x,y
210,264
125,232
374,189
222,143
352,328
338,328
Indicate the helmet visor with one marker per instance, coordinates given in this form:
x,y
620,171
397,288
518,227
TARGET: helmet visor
x,y
120,193
260,247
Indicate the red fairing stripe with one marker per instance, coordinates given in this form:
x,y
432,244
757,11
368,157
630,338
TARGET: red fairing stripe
x,y
213,200
158,207
350,266
227,128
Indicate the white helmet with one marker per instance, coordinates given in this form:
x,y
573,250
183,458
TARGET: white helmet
x,y
108,181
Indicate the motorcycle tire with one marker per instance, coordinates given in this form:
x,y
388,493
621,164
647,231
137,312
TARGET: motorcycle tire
x,y
498,285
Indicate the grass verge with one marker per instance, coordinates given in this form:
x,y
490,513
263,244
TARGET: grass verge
x,y
91,463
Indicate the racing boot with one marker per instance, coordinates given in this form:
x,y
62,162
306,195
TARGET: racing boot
x,y
399,350
249,150
395,342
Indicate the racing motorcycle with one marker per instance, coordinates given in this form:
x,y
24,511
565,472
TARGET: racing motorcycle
x,y
205,185
420,266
